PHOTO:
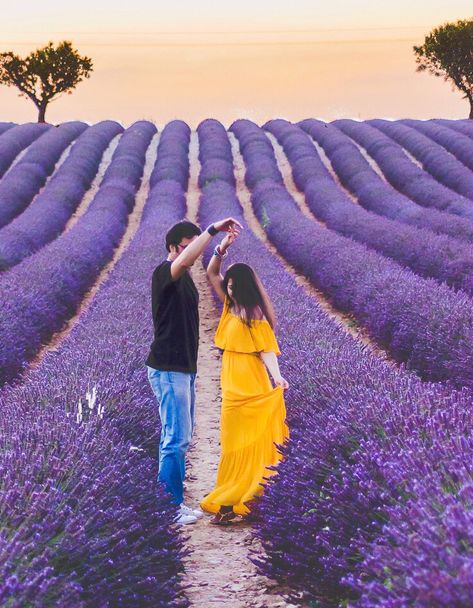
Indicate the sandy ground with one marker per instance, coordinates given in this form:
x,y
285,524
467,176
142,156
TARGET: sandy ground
x,y
95,185
219,573
328,165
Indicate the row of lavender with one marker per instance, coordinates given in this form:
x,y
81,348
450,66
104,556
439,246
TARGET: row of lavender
x,y
371,504
14,139
44,220
435,148
44,290
84,522
439,256
24,180
426,325
373,192
404,174
458,144
4,126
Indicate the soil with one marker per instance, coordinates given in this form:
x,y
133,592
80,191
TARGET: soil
x,y
219,573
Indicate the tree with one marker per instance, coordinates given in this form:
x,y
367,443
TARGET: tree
x,y
448,51
45,73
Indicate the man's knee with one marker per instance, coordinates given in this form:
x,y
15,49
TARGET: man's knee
x,y
176,442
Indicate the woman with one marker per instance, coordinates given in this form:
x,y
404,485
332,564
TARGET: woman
x,y
253,412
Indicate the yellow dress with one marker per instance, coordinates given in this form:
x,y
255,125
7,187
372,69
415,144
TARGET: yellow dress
x,y
253,413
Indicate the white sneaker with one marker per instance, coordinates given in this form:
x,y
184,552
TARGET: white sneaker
x,y
185,510
183,519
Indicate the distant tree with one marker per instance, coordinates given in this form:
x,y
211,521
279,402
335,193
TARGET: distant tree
x,y
448,51
45,73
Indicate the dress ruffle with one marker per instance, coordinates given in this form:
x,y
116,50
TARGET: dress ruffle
x,y
233,334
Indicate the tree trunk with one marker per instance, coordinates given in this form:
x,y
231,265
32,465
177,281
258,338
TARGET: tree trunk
x,y
42,113
471,108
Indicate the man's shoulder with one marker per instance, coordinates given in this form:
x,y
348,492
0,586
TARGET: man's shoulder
x,y
162,272
162,268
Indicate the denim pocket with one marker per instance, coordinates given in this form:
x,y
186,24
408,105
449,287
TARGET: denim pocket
x,y
155,381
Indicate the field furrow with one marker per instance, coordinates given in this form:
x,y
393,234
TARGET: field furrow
x,y
49,213
374,193
438,256
420,323
44,291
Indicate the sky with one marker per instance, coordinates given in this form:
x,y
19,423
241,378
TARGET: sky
x,y
258,59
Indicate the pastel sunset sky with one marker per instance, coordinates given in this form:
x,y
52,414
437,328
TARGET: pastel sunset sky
x,y
258,59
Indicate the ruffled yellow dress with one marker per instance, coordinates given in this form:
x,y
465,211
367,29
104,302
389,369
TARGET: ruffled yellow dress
x,y
253,413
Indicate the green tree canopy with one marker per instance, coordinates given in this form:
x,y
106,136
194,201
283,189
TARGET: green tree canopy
x,y
448,52
45,73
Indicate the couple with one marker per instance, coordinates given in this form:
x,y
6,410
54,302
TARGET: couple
x,y
253,412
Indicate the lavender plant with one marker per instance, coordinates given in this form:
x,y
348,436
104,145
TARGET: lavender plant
x,y
429,255
404,174
24,180
456,143
419,322
460,126
87,523
4,126
373,192
442,165
171,163
16,139
43,291
341,482
44,221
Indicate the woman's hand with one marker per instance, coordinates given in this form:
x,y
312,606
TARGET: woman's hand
x,y
282,382
228,241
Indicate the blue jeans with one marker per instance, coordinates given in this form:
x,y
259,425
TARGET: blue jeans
x,y
175,392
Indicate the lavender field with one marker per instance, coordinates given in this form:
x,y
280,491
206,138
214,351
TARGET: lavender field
x,y
362,233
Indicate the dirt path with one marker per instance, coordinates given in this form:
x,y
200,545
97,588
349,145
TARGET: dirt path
x,y
328,165
218,571
95,185
132,226
345,322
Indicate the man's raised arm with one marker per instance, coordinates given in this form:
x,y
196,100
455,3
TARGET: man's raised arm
x,y
195,248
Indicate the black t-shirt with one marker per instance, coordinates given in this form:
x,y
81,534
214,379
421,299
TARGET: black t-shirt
x,y
176,321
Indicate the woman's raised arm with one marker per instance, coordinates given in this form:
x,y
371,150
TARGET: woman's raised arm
x,y
213,269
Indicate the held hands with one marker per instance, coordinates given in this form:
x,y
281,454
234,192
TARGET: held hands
x,y
282,382
228,225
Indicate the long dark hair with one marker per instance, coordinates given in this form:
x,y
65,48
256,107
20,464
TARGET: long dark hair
x,y
248,292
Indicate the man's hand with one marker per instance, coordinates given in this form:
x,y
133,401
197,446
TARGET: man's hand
x,y
228,225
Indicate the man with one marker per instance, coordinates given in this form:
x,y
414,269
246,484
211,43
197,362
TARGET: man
x,y
172,361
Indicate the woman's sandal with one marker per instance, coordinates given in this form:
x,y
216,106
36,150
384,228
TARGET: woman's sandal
x,y
223,519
